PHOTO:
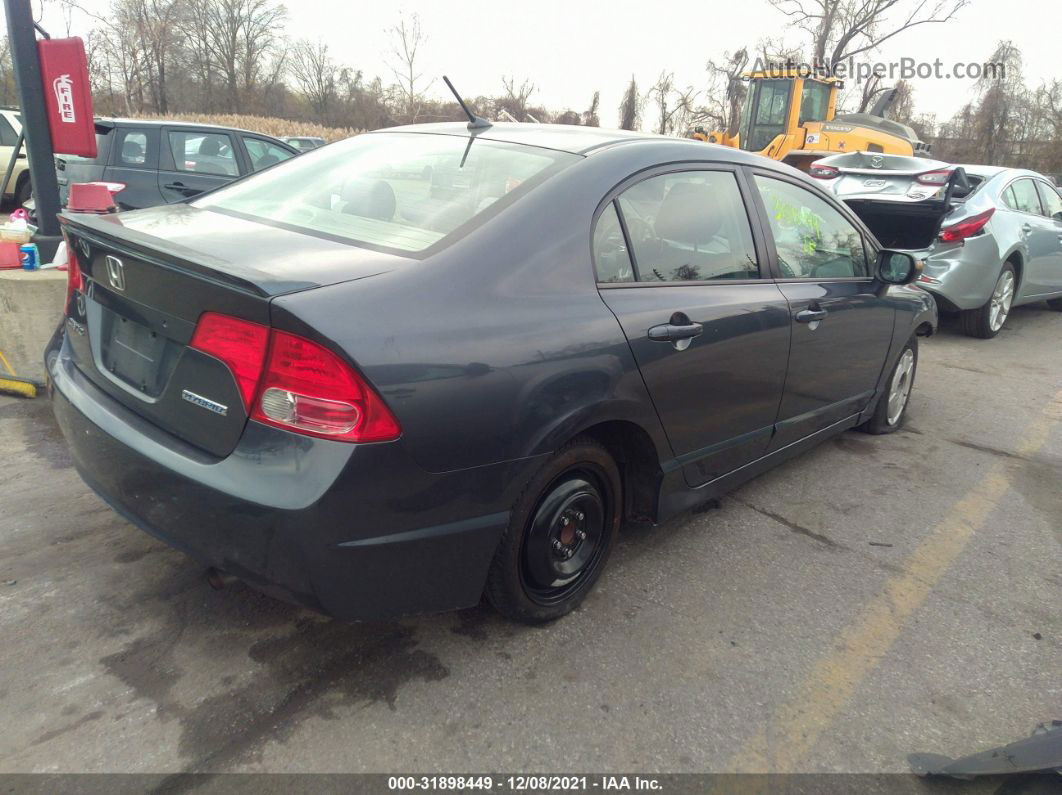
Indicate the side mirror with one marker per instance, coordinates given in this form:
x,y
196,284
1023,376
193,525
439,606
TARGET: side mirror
x,y
898,267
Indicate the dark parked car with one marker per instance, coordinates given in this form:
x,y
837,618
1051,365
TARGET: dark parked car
x,y
372,397
161,162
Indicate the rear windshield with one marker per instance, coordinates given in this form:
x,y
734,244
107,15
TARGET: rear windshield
x,y
393,191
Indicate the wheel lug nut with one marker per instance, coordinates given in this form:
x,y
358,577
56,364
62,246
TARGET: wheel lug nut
x,y
580,534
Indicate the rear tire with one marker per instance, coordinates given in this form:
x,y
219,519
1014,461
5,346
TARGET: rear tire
x,y
23,193
561,531
985,322
891,410
1055,304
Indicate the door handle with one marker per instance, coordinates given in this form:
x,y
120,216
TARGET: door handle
x,y
1026,228
182,188
669,332
810,315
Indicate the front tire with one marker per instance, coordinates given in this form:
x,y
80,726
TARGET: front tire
x,y
891,410
561,531
986,321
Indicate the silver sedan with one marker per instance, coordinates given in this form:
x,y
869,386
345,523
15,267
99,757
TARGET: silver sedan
x,y
990,237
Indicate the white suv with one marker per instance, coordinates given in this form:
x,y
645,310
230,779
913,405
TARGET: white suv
x,y
18,187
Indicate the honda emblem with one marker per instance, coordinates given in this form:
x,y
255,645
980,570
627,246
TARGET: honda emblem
x,y
116,273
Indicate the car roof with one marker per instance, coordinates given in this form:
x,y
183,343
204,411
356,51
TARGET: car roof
x,y
571,138
123,122
991,172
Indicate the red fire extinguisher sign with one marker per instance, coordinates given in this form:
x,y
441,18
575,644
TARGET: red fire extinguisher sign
x,y
68,96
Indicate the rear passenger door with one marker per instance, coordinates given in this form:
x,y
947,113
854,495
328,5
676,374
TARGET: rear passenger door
x,y
679,264
135,163
195,161
841,317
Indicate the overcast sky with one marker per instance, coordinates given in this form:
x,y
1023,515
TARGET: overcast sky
x,y
571,48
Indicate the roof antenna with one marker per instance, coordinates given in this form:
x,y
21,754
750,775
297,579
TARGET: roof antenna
x,y
474,122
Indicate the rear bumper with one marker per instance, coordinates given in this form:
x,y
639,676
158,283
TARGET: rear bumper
x,y
354,531
963,275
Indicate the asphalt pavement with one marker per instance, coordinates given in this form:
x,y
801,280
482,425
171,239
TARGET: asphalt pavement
x,y
876,597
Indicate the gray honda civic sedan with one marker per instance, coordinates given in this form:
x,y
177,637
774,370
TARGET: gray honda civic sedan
x,y
438,362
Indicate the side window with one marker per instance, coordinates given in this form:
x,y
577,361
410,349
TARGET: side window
x,y
1025,198
132,148
611,258
813,240
8,136
689,226
1051,200
814,101
203,153
1008,198
264,154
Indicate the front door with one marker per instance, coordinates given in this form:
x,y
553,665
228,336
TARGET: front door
x,y
1038,232
1052,224
841,317
194,162
677,264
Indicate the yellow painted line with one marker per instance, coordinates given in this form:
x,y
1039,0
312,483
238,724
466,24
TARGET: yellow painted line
x,y
791,733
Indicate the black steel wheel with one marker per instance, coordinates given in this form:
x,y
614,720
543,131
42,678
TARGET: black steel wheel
x,y
561,531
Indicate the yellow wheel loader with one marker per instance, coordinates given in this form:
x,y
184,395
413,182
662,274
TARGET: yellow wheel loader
x,y
791,116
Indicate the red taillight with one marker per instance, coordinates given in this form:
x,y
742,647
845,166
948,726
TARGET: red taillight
x,y
307,388
293,383
74,280
938,178
240,344
823,172
967,227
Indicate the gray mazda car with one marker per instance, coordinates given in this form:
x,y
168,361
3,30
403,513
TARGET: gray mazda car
x,y
990,237
438,362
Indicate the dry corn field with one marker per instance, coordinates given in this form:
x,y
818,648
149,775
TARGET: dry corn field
x,y
269,125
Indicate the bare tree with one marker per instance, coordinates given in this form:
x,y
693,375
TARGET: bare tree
x,y
1001,126
315,74
142,39
870,89
674,107
844,29
590,116
726,92
234,39
516,97
160,37
630,109
408,38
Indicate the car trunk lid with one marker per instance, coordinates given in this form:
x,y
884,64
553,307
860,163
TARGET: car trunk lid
x,y
886,192
148,276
